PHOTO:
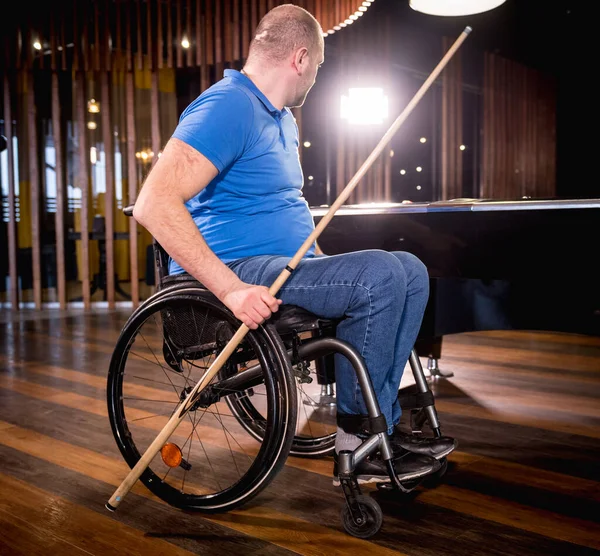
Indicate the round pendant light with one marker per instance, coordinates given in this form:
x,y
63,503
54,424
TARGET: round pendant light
x,y
454,7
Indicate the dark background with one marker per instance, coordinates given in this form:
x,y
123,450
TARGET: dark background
x,y
555,38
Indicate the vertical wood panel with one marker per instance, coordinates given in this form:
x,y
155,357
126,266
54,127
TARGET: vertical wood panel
x,y
139,48
190,33
149,32
76,38
85,37
119,36
236,31
59,221
82,182
246,26
169,34
160,43
218,39
199,49
34,184
208,35
107,138
53,46
227,32
96,38
132,186
253,17
178,35
63,45
128,41
106,37
12,213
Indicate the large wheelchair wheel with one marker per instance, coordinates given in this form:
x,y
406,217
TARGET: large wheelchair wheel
x,y
316,422
210,463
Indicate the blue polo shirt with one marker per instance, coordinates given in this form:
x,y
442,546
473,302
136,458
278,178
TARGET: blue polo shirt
x,y
255,204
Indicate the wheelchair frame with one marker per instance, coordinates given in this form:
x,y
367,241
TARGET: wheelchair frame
x,y
361,516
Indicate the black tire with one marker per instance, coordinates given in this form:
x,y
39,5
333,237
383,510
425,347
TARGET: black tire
x,y
185,321
372,516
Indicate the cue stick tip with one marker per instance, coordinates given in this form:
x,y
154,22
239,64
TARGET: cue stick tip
x,y
468,29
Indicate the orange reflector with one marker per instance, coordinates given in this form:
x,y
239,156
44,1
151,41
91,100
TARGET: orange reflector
x,y
171,455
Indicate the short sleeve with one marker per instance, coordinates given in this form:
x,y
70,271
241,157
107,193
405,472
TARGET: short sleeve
x,y
218,125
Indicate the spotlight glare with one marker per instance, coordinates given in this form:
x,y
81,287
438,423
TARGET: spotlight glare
x,y
307,144
366,105
185,43
423,140
37,45
418,168
402,172
462,147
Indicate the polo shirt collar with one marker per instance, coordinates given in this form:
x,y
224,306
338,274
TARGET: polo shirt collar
x,y
249,84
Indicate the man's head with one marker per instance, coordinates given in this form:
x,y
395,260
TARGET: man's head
x,y
289,40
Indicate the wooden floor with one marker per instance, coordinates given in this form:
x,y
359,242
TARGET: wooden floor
x,y
525,408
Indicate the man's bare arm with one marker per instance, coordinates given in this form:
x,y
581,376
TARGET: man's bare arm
x,y
180,173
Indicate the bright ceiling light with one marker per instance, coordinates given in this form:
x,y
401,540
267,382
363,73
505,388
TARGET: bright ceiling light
x,y
454,7
364,106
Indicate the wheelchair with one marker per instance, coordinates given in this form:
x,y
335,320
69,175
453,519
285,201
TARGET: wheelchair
x,y
274,397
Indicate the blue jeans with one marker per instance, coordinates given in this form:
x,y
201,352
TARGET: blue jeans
x,y
382,296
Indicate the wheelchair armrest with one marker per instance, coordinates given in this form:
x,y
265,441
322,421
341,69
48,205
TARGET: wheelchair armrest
x,y
128,210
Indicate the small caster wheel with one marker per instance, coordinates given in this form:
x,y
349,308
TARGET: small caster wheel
x,y
372,520
435,479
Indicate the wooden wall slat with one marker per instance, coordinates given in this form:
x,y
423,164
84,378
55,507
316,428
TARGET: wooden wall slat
x,y
139,55
236,34
59,220
96,38
63,46
132,186
76,37
178,35
160,43
169,34
12,213
198,28
253,17
82,182
189,53
227,31
85,36
128,47
150,54
53,49
106,37
219,43
34,184
246,27
118,61
107,138
208,25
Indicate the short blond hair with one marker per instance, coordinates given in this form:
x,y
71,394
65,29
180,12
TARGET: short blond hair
x,y
283,30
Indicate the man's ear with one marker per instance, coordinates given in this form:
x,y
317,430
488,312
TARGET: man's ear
x,y
300,59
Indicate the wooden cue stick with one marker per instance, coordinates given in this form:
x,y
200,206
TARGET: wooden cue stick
x,y
191,399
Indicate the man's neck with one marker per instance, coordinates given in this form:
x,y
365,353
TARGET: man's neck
x,y
269,83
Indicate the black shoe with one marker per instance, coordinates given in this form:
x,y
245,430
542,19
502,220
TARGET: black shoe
x,y
373,469
437,448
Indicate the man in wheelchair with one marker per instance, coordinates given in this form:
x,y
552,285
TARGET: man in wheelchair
x,y
225,201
